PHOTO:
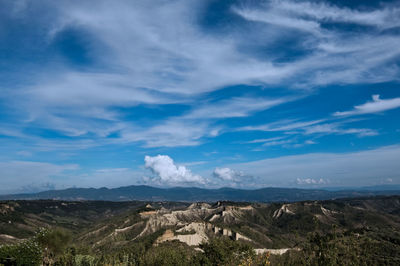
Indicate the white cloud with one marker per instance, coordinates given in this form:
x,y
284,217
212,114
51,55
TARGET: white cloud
x,y
158,56
283,125
224,176
285,142
227,174
322,11
337,128
154,52
112,170
170,174
308,16
169,133
376,106
310,142
337,57
234,107
277,19
189,129
263,140
321,127
277,143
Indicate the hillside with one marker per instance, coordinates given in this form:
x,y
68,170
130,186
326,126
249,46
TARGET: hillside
x,y
288,231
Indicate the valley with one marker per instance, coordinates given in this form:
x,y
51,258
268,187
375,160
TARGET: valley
x,y
282,231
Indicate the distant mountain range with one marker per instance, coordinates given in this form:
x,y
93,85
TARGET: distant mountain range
x,y
191,194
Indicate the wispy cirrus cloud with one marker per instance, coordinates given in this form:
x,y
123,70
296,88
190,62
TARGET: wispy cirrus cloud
x,y
156,53
162,75
144,71
286,141
263,140
277,143
340,54
169,133
337,128
235,107
189,128
316,13
283,125
377,105
321,127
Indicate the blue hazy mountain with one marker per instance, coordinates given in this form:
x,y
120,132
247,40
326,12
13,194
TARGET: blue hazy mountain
x,y
148,193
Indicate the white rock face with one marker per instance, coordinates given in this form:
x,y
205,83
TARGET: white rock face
x,y
284,209
278,251
240,236
192,225
190,239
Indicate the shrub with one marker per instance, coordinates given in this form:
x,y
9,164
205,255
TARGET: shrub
x,y
25,253
85,260
223,251
54,240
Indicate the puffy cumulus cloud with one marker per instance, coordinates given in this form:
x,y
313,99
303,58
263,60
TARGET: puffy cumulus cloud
x,y
224,176
168,173
227,174
376,106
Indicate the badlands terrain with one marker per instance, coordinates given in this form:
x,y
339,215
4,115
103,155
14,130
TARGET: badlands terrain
x,y
282,230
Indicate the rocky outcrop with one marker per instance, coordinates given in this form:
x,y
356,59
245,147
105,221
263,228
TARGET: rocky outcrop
x,y
193,239
238,236
7,208
284,209
279,251
194,219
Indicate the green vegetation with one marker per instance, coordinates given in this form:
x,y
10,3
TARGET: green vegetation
x,y
25,253
361,247
358,247
341,232
225,252
47,249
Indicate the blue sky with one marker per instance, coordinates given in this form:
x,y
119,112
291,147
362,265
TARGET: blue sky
x,y
199,93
